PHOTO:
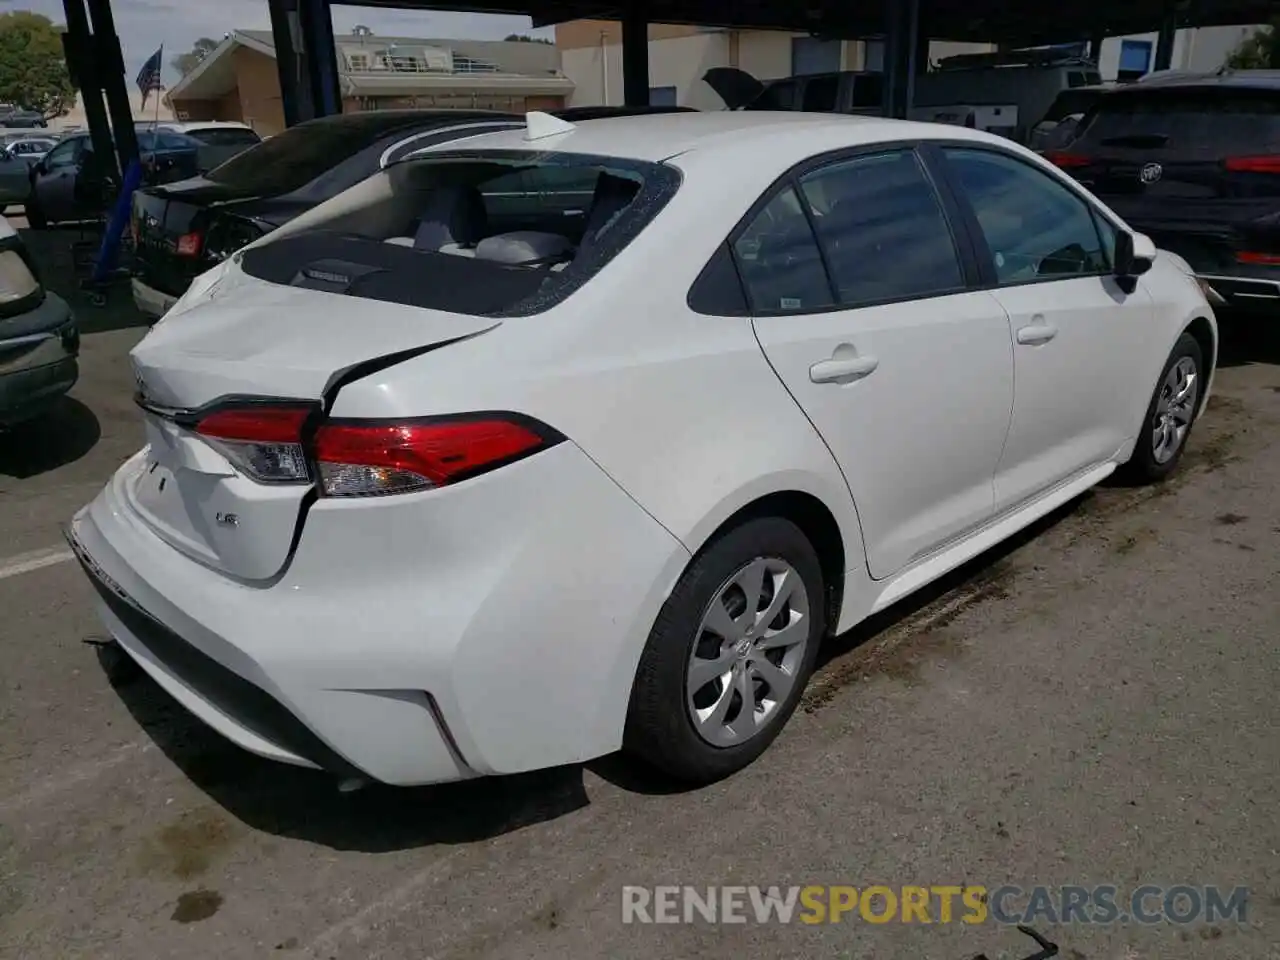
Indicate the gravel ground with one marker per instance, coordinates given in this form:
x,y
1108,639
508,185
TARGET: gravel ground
x,y
1095,703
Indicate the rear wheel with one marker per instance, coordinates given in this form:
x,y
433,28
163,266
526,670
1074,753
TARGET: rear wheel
x,y
1170,414
730,653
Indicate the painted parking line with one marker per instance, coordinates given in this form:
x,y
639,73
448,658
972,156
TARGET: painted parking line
x,y
35,560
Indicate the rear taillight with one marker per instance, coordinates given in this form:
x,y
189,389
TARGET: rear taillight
x,y
363,458
1269,164
1257,258
1066,160
273,443
262,441
189,244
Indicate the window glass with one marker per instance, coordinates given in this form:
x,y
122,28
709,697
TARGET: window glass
x,y
63,155
226,137
1035,227
882,228
868,90
779,259
820,94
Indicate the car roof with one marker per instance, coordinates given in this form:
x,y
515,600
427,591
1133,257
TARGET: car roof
x,y
1227,79
658,137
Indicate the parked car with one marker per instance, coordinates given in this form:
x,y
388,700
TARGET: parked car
x,y
221,139
23,119
15,179
182,229
458,475
1191,160
39,340
69,184
30,149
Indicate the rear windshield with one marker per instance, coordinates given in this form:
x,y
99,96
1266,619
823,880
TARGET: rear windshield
x,y
493,233
1208,122
225,137
1073,101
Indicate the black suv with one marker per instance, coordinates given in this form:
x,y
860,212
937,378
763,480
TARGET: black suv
x,y
1194,163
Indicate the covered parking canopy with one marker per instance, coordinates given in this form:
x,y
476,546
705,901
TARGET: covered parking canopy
x,y
309,80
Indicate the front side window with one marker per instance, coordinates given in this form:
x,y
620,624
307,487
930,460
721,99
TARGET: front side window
x,y
882,229
63,155
779,261
1034,226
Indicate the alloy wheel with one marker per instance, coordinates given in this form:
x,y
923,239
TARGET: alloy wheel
x,y
1175,409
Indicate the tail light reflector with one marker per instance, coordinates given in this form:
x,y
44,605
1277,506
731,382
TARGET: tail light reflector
x,y
371,458
1261,259
1253,164
189,244
262,441
1067,161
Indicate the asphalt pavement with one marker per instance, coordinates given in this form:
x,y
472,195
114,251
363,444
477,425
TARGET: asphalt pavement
x,y
1095,703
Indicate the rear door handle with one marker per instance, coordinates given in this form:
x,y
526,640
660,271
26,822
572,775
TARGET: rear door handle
x,y
842,369
1037,333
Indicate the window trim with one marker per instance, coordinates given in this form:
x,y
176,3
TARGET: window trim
x,y
969,261
986,261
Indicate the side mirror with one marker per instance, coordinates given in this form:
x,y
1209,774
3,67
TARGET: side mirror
x,y
1135,254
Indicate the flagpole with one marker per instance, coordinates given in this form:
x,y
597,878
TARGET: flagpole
x,y
159,88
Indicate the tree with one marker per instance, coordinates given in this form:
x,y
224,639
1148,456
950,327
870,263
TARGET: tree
x,y
524,38
1259,51
33,70
184,63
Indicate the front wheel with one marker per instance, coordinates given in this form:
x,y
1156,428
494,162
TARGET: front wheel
x,y
731,651
1170,415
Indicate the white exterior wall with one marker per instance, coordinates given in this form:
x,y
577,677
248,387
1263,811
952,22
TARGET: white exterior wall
x,y
1200,50
680,62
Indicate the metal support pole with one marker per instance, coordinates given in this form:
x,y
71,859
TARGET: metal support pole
x,y
78,46
902,26
306,59
1164,41
635,57
110,67
295,93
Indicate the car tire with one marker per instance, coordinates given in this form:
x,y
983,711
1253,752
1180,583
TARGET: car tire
x,y
36,219
1168,421
691,635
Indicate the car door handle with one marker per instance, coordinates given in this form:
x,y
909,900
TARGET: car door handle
x,y
842,369
1037,333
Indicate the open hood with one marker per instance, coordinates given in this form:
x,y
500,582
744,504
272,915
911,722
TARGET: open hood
x,y
737,88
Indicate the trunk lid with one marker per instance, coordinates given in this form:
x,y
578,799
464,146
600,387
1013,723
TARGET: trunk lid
x,y
253,340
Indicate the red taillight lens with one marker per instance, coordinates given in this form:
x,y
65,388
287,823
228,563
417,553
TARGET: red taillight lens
x,y
189,245
361,459
1068,161
1261,259
1253,164
261,440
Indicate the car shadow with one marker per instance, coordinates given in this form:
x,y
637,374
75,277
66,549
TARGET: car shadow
x,y
64,255
1247,337
63,434
303,804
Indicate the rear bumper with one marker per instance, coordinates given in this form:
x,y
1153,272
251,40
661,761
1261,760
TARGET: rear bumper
x,y
453,633
150,301
44,366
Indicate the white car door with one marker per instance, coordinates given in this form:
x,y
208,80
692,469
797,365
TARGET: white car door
x,y
1077,332
905,372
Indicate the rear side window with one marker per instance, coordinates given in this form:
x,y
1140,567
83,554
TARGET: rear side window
x,y
868,90
820,94
882,228
226,137
1202,123
492,233
779,261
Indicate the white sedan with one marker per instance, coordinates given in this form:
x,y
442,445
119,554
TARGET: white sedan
x,y
567,439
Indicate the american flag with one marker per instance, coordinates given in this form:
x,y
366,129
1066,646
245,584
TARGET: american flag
x,y
149,76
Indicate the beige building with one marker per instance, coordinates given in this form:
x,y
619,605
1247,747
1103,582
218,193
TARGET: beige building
x,y
591,57
74,119
238,80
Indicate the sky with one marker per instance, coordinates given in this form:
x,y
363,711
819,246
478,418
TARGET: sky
x,y
143,25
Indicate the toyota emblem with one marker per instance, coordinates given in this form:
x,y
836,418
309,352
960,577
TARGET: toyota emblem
x,y
1151,172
